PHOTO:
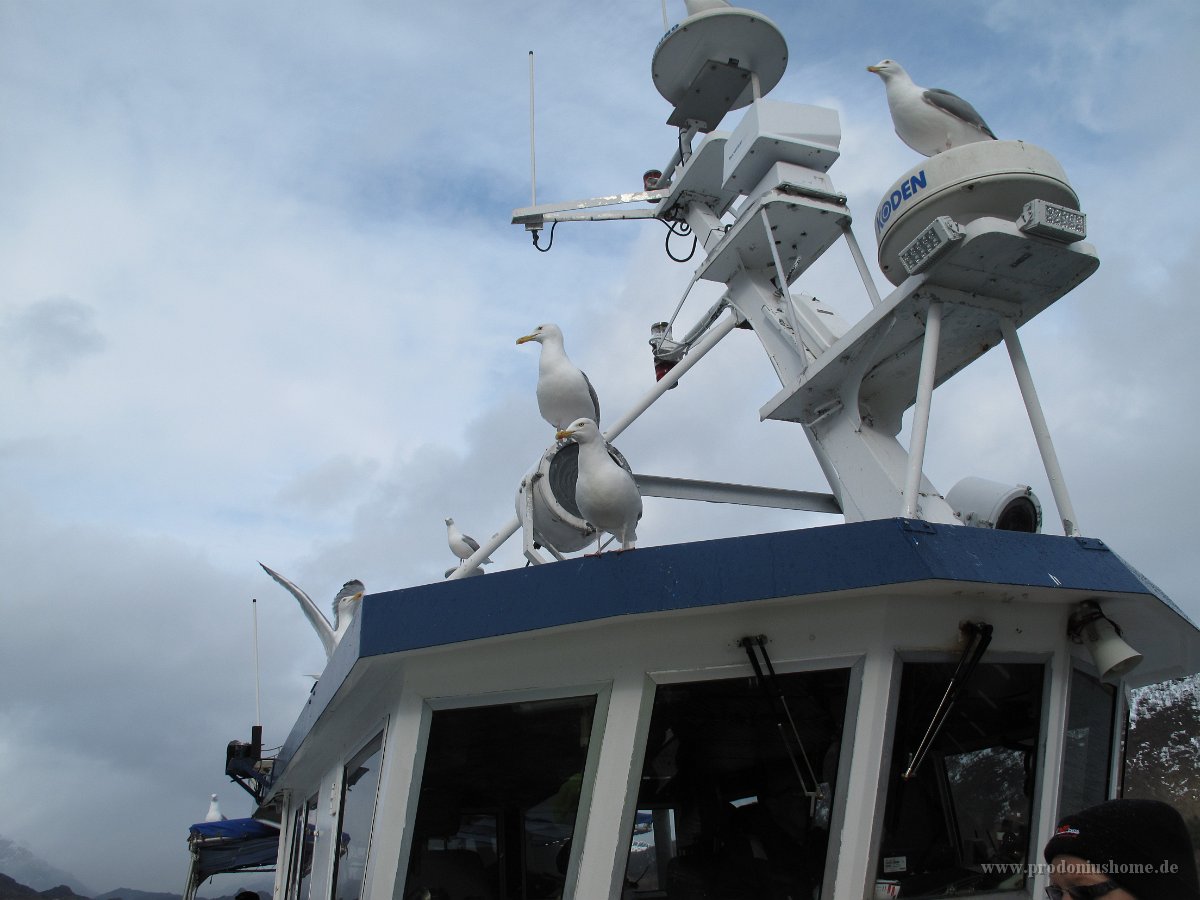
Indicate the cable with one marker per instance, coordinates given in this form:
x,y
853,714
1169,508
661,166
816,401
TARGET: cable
x,y
536,233
683,229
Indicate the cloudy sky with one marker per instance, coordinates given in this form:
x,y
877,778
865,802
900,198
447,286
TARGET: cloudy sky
x,y
259,296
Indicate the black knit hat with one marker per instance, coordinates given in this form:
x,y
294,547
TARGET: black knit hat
x,y
1142,845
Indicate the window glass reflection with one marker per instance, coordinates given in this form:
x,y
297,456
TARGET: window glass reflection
x,y
499,801
1088,744
359,783
732,802
304,837
960,823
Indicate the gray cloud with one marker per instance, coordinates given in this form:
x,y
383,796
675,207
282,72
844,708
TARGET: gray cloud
x,y
51,334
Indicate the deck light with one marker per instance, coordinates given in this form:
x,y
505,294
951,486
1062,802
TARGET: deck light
x,y
1089,625
937,238
1049,220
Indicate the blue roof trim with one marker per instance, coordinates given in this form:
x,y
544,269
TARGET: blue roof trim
x,y
713,573
731,570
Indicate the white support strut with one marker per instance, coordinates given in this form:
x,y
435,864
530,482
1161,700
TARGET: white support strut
x,y
1041,431
920,426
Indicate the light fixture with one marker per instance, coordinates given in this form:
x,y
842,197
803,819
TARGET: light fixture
x,y
935,240
1050,220
982,503
1089,626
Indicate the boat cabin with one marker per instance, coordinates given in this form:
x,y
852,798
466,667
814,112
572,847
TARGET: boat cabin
x,y
886,708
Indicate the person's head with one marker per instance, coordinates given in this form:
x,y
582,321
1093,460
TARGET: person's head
x,y
1123,850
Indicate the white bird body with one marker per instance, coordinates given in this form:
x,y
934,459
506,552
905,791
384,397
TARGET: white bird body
x,y
345,605
462,545
214,811
929,120
607,495
564,393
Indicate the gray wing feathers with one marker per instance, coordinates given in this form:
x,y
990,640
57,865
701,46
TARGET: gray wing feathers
x,y
958,107
319,623
595,398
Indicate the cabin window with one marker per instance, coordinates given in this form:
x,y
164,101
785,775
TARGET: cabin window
x,y
733,802
1088,744
499,800
957,817
359,783
304,836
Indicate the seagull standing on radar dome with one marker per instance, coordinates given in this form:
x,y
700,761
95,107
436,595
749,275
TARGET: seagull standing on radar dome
x,y
929,120
462,545
607,496
564,393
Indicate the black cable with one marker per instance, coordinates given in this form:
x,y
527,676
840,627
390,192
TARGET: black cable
x,y
536,233
683,230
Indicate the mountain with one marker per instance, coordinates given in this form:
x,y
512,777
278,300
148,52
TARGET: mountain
x,y
26,869
11,889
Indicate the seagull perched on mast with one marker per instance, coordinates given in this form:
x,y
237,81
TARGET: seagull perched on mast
x,y
462,545
929,120
607,496
564,393
345,605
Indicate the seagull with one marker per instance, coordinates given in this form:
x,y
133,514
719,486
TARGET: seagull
x,y
345,605
463,545
607,496
214,811
564,393
929,120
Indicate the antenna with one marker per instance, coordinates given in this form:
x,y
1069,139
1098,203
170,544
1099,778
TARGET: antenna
x,y
256,728
532,152
666,24
257,699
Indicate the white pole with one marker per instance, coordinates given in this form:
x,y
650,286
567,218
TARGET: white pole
x,y
1041,431
860,261
257,698
920,427
694,356
532,153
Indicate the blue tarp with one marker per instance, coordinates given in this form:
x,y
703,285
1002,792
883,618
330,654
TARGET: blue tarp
x,y
231,845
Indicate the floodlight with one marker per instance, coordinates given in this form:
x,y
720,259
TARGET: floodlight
x,y
1050,220
932,243
981,503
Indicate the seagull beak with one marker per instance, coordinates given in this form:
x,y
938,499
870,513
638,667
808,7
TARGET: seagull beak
x,y
874,69
565,433
522,340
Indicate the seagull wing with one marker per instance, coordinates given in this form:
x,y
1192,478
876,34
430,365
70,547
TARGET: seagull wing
x,y
957,107
595,397
315,617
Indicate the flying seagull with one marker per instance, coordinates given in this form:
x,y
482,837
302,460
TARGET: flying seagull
x,y
462,545
345,605
929,120
607,496
564,393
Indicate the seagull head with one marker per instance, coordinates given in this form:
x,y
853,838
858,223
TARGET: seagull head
x,y
583,430
547,331
449,521
888,69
